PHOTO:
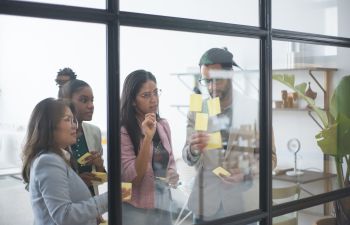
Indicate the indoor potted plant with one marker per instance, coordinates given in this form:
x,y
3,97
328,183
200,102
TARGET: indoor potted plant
x,y
334,137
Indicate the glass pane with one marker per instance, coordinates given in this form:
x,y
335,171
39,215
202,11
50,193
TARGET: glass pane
x,y
328,17
33,51
312,216
229,138
229,11
304,158
98,4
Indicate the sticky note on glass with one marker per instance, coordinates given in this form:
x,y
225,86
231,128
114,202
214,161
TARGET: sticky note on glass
x,y
82,160
215,141
196,103
128,187
201,122
214,106
219,171
102,176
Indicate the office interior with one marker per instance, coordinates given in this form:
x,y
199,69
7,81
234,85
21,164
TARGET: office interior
x,y
308,39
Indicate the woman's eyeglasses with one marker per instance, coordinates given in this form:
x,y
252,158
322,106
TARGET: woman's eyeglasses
x,y
148,95
73,121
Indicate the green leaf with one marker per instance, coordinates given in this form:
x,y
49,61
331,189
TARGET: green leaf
x,y
340,103
301,87
335,140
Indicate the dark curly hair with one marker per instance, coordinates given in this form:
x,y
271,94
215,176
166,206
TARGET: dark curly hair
x,y
67,72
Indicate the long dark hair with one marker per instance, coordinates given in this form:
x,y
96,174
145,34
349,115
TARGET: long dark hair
x,y
131,88
40,132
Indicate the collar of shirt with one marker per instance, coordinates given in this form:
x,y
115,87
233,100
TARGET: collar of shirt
x,y
66,154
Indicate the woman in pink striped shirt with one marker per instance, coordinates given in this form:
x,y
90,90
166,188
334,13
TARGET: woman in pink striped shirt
x,y
146,152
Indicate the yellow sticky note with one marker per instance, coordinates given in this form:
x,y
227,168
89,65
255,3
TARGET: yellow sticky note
x,y
82,160
102,176
104,223
219,171
196,103
128,187
201,122
215,141
214,106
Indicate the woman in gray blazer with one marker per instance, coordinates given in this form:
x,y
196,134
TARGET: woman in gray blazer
x,y
88,136
58,195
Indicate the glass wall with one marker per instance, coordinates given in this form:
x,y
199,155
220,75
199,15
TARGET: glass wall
x,y
305,79
228,11
200,122
80,3
174,57
327,17
33,51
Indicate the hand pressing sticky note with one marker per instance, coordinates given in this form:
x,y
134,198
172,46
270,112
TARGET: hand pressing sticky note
x,y
196,103
102,176
214,106
126,191
215,141
201,122
219,171
82,160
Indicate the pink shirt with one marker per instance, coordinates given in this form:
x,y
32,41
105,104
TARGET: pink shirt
x,y
143,194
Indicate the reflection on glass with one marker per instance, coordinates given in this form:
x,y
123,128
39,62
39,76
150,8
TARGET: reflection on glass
x,y
310,108
229,11
328,17
221,110
45,51
222,145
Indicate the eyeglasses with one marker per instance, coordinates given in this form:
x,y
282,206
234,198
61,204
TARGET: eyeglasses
x,y
148,95
207,82
73,120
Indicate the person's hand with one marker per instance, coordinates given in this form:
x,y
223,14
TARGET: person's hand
x,y
149,125
172,177
95,159
88,178
236,176
199,140
126,192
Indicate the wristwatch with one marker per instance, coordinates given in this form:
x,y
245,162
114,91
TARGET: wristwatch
x,y
195,152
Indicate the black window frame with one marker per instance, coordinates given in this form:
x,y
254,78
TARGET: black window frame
x,y
113,19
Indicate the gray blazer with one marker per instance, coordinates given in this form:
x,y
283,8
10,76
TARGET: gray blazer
x,y
59,196
93,140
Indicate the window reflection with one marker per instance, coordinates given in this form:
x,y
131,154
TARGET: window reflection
x,y
223,167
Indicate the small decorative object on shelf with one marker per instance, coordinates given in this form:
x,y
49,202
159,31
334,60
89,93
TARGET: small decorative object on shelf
x,y
310,93
294,147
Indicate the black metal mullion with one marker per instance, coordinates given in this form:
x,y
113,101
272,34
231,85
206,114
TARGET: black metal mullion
x,y
52,11
265,190
304,203
113,122
318,39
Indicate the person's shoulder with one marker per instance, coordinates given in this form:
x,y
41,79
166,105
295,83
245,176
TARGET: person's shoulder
x,y
48,158
90,126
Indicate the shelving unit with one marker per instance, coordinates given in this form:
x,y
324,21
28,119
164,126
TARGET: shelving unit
x,y
326,89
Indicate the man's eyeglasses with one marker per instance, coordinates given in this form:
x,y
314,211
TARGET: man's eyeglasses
x,y
207,82
148,95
